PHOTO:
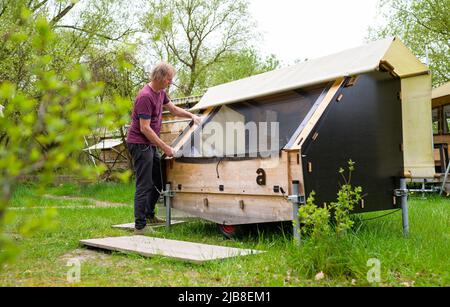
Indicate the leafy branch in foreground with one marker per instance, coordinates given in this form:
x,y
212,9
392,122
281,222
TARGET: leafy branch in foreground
x,y
42,129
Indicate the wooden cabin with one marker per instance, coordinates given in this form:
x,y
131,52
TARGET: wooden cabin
x,y
441,126
370,104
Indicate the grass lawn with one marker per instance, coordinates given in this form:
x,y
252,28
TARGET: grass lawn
x,y
422,259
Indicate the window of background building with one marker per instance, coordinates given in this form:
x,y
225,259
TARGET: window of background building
x,y
436,121
446,123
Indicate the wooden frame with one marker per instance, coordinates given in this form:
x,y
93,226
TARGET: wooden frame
x,y
242,200
311,122
189,130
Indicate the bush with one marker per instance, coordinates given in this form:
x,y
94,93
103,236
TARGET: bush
x,y
327,247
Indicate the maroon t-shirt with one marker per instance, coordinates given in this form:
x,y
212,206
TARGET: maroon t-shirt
x,y
148,105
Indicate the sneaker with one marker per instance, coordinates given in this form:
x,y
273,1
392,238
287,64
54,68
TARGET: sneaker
x,y
155,220
139,232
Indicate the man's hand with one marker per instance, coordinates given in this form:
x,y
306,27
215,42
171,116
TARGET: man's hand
x,y
197,119
169,151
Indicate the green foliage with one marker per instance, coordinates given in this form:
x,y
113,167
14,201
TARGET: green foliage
x,y
420,260
314,220
424,26
348,198
239,65
118,70
327,226
48,110
209,42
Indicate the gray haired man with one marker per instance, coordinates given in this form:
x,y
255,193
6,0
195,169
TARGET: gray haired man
x,y
143,140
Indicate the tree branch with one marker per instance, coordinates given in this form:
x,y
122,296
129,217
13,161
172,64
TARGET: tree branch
x,y
62,13
4,5
419,21
171,45
128,31
37,6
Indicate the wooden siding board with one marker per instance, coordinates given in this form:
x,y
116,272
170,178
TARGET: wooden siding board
x,y
226,209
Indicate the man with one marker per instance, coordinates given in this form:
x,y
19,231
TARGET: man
x,y
143,140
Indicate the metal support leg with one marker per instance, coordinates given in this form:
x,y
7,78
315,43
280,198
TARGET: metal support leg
x,y
423,188
295,199
404,203
445,179
168,204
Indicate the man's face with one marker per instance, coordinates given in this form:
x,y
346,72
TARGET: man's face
x,y
167,81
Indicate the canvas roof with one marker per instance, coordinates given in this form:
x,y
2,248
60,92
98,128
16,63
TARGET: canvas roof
x,y
105,144
346,63
441,91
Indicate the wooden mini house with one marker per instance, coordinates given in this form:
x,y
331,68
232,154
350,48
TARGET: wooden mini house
x,y
370,104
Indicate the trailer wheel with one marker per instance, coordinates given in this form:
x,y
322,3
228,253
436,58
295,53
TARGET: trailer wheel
x,y
230,231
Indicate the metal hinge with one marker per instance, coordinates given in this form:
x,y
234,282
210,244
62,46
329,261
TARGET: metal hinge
x,y
298,199
169,193
401,192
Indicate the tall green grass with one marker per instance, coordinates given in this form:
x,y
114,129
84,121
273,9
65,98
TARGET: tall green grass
x,y
112,192
421,259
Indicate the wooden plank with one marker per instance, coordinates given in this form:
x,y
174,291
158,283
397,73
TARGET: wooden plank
x,y
288,170
237,177
168,138
130,226
295,170
227,209
176,127
317,114
325,88
188,132
417,124
186,251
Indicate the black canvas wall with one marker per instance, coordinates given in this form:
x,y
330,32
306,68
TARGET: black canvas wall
x,y
365,126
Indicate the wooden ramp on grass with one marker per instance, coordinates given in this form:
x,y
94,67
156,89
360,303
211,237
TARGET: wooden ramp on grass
x,y
186,251
130,226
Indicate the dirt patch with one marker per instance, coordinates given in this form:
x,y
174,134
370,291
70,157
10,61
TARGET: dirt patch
x,y
97,203
87,255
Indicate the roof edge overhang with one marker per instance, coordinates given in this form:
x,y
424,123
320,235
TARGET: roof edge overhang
x,y
390,52
441,91
282,90
402,62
